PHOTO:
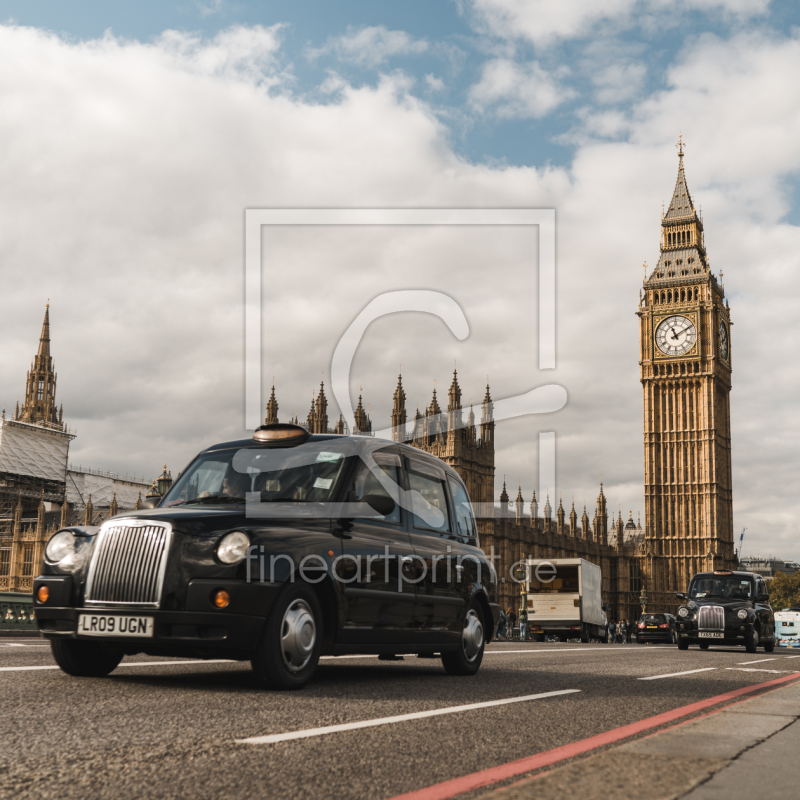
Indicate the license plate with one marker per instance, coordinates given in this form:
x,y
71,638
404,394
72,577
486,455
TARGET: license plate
x,y
711,635
114,625
651,626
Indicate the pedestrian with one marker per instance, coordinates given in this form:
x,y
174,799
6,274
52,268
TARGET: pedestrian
x,y
511,621
501,625
629,630
612,632
523,623
621,631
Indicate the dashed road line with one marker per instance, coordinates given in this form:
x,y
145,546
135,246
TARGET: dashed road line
x,y
677,674
760,661
196,661
371,723
774,671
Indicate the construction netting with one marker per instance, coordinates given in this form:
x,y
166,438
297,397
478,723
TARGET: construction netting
x,y
32,450
102,489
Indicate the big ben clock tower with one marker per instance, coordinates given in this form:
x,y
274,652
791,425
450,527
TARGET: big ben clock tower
x,y
685,360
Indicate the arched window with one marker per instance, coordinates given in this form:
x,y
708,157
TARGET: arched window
x,y
689,295
669,297
683,296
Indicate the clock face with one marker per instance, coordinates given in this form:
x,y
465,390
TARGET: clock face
x,y
723,340
676,336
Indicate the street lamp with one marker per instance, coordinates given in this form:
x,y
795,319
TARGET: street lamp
x,y
522,577
643,600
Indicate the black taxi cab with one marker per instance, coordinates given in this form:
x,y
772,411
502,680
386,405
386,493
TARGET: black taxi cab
x,y
278,549
726,607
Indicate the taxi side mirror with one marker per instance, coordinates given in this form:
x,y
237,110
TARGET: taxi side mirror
x,y
680,595
150,502
762,598
381,503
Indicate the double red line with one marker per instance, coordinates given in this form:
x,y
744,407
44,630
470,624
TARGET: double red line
x,y
486,777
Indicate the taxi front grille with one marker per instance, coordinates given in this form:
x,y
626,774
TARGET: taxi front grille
x,y
128,565
711,618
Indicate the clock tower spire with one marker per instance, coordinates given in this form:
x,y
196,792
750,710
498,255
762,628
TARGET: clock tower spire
x,y
685,370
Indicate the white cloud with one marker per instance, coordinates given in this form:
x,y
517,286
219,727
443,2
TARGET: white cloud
x,y
127,168
370,46
544,22
517,90
434,84
619,82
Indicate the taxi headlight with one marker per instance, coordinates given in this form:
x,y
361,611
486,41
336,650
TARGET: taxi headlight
x,y
683,612
60,546
742,614
233,547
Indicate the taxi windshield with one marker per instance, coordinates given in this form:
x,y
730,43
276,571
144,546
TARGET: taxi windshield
x,y
731,587
307,473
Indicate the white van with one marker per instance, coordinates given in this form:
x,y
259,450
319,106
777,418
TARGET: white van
x,y
787,627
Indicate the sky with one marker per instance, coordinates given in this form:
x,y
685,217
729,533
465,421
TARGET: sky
x,y
134,137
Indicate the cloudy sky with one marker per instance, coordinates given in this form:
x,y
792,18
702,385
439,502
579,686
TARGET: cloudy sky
x,y
133,138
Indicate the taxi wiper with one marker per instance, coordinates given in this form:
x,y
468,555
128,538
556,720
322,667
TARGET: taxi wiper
x,y
216,499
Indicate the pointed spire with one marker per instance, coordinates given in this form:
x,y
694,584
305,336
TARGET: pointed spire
x,y
504,493
399,411
548,511
40,389
113,509
87,517
363,425
44,339
272,407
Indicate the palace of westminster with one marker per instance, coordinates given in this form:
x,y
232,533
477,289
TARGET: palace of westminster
x,y
685,371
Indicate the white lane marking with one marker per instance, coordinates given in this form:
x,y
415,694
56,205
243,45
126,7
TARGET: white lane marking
x,y
787,657
676,674
371,723
760,661
132,664
774,671
496,653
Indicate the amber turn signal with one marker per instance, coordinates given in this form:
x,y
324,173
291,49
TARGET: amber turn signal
x,y
43,594
220,598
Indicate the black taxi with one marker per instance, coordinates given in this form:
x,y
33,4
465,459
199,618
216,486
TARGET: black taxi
x,y
278,549
726,607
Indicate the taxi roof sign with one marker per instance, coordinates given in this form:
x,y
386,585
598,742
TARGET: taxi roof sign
x,y
281,434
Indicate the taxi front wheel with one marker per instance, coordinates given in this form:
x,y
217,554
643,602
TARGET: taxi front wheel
x,y
289,650
85,659
467,659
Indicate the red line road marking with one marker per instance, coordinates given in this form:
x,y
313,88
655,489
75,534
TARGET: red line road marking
x,y
477,780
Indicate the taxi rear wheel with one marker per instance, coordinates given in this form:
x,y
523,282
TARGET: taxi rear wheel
x,y
751,646
289,650
85,659
467,659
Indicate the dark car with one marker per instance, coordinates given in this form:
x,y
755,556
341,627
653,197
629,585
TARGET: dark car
x,y
656,628
725,607
278,549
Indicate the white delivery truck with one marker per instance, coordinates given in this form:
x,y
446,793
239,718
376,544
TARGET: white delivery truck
x,y
565,599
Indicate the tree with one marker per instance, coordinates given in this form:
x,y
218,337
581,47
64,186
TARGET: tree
x,y
784,591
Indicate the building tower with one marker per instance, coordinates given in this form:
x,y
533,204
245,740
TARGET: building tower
x,y
40,390
685,369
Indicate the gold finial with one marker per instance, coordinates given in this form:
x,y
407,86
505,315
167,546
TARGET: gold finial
x,y
680,145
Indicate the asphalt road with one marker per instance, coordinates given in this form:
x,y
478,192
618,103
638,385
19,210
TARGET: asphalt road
x,y
175,729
